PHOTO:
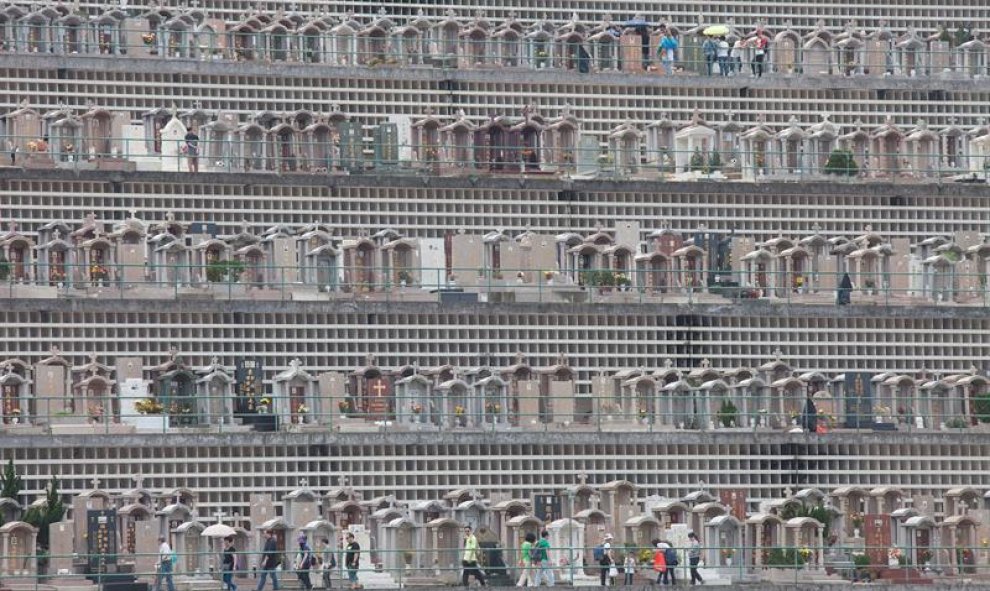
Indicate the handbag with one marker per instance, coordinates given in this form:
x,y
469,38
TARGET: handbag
x,y
613,572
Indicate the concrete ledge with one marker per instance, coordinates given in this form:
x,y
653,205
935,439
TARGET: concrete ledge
x,y
433,76
735,309
798,442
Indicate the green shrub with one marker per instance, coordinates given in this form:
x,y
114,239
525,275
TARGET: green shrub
x,y
714,161
728,414
981,404
957,423
221,271
4,268
841,162
697,161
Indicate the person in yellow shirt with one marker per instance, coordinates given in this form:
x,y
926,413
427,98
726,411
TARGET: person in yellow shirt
x,y
469,561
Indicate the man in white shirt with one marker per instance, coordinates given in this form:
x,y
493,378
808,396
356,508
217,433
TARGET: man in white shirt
x,y
164,565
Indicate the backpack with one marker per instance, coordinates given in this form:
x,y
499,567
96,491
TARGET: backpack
x,y
599,553
670,556
535,553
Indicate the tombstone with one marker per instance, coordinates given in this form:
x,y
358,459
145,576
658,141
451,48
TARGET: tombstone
x,y
295,394
18,556
332,397
191,548
588,162
566,544
172,139
215,388
858,390
60,548
82,504
146,548
351,147
101,539
492,559
50,392
386,146
301,506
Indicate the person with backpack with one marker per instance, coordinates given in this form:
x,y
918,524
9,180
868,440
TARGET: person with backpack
x,y
694,558
166,560
526,552
304,562
469,560
660,563
603,554
710,50
542,560
269,560
667,50
670,558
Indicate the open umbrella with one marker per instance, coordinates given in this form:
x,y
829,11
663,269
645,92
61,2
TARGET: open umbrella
x,y
218,530
716,31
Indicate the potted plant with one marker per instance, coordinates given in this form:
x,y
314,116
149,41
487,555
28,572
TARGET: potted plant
x,y
300,416
344,406
727,554
405,278
95,412
417,409
15,416
264,405
459,415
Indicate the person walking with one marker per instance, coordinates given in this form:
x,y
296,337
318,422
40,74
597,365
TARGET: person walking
x,y
694,557
760,45
469,560
303,563
192,150
659,563
710,50
735,57
352,559
545,572
228,565
526,561
670,558
164,566
269,560
722,55
606,562
328,562
667,50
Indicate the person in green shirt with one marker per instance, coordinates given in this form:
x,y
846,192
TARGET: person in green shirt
x,y
469,560
526,561
545,572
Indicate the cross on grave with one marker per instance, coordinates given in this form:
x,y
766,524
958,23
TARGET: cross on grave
x,y
219,515
379,388
96,483
303,483
583,478
138,481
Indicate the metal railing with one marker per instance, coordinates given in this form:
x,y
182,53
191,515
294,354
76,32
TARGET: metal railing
x,y
642,404
632,52
307,148
846,558
661,279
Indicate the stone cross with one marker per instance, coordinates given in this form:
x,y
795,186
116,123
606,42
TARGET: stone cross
x,y
96,483
219,515
583,478
138,481
303,483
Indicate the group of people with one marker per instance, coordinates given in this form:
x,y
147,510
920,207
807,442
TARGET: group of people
x,y
665,562
717,50
306,560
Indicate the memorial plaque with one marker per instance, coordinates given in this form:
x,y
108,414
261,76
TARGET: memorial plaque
x,y
101,538
250,388
378,399
351,148
547,507
859,400
735,500
387,146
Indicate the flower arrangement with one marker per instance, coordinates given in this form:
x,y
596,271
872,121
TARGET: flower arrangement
x,y
805,553
548,275
894,554
148,38
417,408
541,53
985,542
924,556
622,279
643,412
432,154
32,146
881,410
857,519
14,412
493,407
302,409
344,405
98,272
148,406
728,552
179,409
459,410
56,274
